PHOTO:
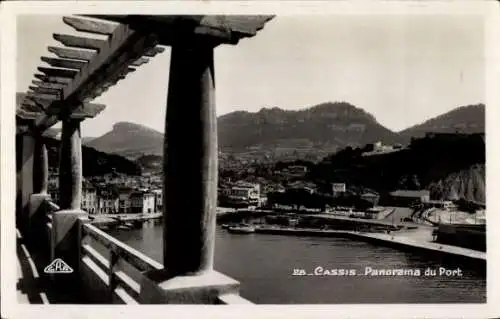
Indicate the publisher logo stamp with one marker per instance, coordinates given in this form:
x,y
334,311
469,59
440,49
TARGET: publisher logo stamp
x,y
58,266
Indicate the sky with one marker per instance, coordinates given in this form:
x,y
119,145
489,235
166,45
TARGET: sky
x,y
403,69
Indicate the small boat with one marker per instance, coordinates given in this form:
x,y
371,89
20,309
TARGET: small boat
x,y
225,226
241,229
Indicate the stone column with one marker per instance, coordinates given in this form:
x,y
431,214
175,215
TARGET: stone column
x,y
70,165
38,200
26,181
66,242
190,162
40,167
190,186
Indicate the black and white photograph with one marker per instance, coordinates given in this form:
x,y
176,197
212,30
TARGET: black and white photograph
x,y
253,159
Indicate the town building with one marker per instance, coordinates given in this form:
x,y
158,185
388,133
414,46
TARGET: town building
x,y
371,197
158,199
89,202
242,194
124,203
338,189
53,187
142,202
302,186
89,197
408,198
107,199
294,170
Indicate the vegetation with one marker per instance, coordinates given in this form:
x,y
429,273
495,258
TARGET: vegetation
x,y
94,162
424,162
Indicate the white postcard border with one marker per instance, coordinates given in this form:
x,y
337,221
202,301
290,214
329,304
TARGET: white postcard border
x,y
9,10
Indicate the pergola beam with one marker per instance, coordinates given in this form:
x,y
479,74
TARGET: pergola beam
x,y
91,26
86,72
53,79
45,90
64,63
47,85
139,62
66,53
42,96
61,73
80,42
25,115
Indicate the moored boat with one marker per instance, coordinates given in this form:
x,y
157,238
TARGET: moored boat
x,y
241,229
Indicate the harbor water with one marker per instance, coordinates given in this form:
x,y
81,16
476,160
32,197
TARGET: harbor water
x,y
272,269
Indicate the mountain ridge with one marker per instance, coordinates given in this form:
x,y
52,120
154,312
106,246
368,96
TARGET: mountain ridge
x,y
464,119
325,127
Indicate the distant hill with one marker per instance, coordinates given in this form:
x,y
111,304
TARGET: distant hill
x,y
326,127
56,134
318,130
465,119
94,162
87,139
130,140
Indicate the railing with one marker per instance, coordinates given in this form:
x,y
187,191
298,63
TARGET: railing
x,y
51,208
112,271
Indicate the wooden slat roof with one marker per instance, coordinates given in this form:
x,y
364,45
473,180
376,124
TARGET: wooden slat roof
x,y
85,67
226,28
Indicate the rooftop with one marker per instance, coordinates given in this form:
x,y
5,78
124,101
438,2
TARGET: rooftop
x,y
410,193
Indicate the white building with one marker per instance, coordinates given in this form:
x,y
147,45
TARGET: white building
x,y
149,203
158,199
89,201
107,202
244,193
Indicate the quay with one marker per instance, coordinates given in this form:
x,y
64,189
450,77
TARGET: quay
x,y
396,240
237,215
130,220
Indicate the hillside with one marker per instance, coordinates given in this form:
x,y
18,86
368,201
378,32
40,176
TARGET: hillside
x,y
325,127
433,161
130,140
150,162
467,184
466,119
94,162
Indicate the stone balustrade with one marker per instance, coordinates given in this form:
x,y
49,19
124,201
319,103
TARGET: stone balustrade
x,y
111,272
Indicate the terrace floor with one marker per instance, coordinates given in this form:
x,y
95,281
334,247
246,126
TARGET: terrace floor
x,y
33,286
